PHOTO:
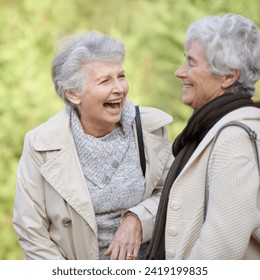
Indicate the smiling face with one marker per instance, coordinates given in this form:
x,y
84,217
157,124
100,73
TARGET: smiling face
x,y
199,84
103,99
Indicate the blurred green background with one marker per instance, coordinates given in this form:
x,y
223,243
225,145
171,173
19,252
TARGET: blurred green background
x,y
153,32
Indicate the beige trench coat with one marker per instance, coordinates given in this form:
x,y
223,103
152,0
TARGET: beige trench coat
x,y
53,214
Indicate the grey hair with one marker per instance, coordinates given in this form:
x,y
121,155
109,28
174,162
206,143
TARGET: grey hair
x,y
68,65
231,42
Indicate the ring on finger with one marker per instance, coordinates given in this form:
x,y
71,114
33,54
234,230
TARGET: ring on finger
x,y
129,255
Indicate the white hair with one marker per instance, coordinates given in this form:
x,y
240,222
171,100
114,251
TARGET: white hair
x,y
231,42
68,65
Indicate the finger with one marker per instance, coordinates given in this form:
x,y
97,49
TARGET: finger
x,y
109,250
123,253
115,252
136,252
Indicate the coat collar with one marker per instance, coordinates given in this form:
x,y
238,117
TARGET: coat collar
x,y
52,134
153,118
242,114
58,128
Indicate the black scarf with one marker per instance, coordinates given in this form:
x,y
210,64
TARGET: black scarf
x,y
201,121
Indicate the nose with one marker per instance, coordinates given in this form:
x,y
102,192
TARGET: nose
x,y
181,72
118,87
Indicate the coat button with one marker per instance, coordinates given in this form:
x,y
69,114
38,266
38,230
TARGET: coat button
x,y
171,254
175,204
66,222
172,230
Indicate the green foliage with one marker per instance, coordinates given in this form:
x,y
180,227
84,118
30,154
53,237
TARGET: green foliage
x,y
153,32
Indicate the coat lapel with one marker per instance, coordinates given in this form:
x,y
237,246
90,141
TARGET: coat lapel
x,y
62,169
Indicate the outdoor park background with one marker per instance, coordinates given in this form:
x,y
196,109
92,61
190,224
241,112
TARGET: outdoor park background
x,y
153,31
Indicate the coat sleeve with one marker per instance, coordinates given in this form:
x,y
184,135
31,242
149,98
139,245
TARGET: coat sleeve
x,y
232,214
30,219
158,161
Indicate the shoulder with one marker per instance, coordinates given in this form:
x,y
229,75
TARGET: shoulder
x,y
51,134
232,124
153,118
248,115
235,136
55,122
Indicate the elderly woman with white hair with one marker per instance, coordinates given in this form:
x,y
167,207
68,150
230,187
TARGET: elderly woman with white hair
x,y
209,204
81,192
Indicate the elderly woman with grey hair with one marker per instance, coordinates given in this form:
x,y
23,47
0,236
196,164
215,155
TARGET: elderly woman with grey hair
x,y
208,207
81,192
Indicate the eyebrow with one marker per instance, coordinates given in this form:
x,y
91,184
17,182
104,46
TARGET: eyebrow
x,y
188,57
191,58
102,77
108,75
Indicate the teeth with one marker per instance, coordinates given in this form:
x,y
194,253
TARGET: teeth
x,y
115,104
114,101
187,85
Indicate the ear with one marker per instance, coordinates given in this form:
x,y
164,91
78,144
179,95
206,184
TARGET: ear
x,y
229,80
73,97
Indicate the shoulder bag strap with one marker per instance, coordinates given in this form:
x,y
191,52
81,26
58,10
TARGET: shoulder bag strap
x,y
253,138
140,138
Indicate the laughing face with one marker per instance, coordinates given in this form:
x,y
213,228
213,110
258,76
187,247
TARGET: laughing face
x,y
103,99
199,84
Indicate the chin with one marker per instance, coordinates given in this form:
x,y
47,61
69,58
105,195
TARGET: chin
x,y
186,102
114,120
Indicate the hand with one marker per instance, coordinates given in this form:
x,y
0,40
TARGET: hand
x,y
127,240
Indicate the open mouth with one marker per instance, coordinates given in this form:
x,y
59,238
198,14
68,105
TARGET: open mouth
x,y
186,85
113,104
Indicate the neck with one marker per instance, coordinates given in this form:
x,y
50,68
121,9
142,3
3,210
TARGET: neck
x,y
98,131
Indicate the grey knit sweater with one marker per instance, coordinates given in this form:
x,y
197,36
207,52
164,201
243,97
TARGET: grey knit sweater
x,y
113,174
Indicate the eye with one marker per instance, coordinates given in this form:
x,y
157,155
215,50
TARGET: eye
x,y
103,81
122,76
191,62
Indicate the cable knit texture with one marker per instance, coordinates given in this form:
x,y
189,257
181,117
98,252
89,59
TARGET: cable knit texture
x,y
112,170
